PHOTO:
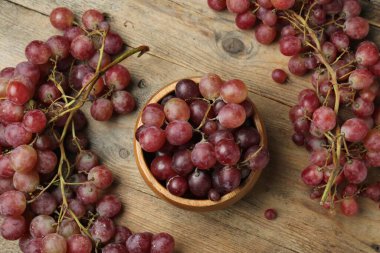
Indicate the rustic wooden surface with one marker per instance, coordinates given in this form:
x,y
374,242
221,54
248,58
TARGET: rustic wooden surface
x,y
188,39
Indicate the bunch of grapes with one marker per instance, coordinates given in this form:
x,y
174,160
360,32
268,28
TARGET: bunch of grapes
x,y
203,138
51,185
338,121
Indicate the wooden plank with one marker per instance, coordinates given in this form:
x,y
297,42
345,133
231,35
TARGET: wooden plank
x,y
302,225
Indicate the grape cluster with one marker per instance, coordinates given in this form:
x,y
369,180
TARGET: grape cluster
x,y
338,121
51,185
202,138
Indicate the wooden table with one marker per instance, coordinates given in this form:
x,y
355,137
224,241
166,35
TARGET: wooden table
x,y
188,39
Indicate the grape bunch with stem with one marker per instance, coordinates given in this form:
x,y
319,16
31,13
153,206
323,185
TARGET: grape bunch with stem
x,y
51,185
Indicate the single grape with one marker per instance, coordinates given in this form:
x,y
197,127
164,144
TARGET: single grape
x,y
139,243
214,195
88,193
354,130
77,74
103,229
177,185
181,162
113,43
279,76
72,32
92,18
351,8
308,100
238,6
86,160
122,234
283,4
161,168
217,5
62,18
152,138
226,179
153,115
97,86
28,70
203,155
265,34
44,204
10,112
367,53
198,110
54,243
68,227
340,40
186,89
232,116
361,79
93,62
82,48
199,183
270,214
324,118
355,171
290,45
59,46
102,109
227,152
78,208
349,206
13,228
210,85
179,132
162,243
234,91
42,225
123,102
246,20
34,121
118,77
312,175
320,157
6,184
79,244
38,52
296,65
362,108
100,176
356,28
114,248
248,107
26,182
176,109
19,90
23,158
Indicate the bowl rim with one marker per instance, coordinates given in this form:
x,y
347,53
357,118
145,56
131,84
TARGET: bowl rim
x,y
195,204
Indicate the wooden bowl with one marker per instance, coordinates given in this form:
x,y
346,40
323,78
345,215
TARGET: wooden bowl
x,y
195,204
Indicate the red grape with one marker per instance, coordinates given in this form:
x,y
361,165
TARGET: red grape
x,y
177,185
103,229
108,206
61,18
102,109
355,171
100,176
203,155
38,52
13,228
54,243
356,27
113,43
92,18
82,48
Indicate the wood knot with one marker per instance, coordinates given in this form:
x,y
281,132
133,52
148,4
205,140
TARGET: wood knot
x,y
233,45
123,153
376,247
141,84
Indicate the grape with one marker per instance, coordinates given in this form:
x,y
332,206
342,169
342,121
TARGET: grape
x,y
210,85
248,107
7,72
6,184
351,8
355,171
288,30
139,243
48,93
42,225
113,43
362,108
77,74
312,175
54,243
354,130
176,109
78,208
153,115
320,157
92,18
220,135
93,62
296,65
88,193
324,118
79,244
97,84
329,51
279,76
100,176
349,207
10,112
82,48
356,27
373,192
318,15
122,234
227,152
373,158
68,227
161,168
367,53
34,121
234,91
283,4
177,185
38,52
152,138
296,112
372,140
162,243
340,40
179,132
265,34
86,160
26,181
181,162
328,170
13,228
46,161
108,206
72,32
102,109
226,179
103,229
246,20
369,94
117,77
361,79
308,100
44,204
257,160
12,203
270,214
214,195
238,6
350,190
186,89
123,102
198,110
28,70
217,5
203,155
298,139
59,46
199,183
270,18
23,158
114,248
62,18
290,45
19,90
232,116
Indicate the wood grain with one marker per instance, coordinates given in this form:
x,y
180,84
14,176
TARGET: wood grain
x,y
188,39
